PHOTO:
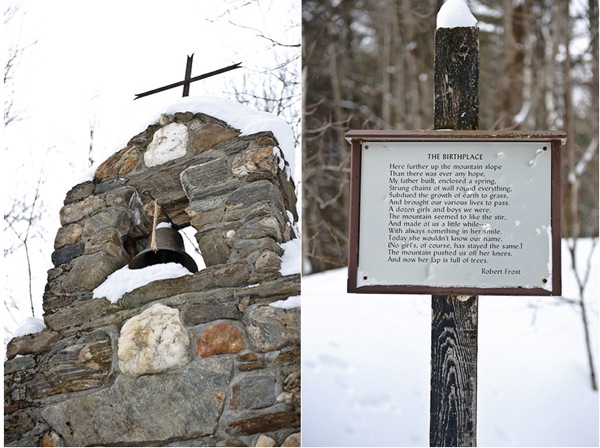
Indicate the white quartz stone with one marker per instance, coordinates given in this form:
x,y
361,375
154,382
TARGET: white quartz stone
x,y
168,143
153,342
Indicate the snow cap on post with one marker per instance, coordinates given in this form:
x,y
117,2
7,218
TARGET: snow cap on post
x,y
454,14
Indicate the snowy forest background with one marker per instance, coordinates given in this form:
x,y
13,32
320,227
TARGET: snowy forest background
x,y
369,65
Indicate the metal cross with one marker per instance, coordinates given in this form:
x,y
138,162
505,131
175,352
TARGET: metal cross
x,y
188,79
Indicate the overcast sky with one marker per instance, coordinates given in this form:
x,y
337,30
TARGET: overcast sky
x,y
89,60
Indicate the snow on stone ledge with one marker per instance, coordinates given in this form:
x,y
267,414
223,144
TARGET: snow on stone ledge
x,y
454,14
291,258
126,280
29,325
288,304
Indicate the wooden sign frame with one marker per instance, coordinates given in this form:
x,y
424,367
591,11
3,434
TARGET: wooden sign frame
x,y
359,138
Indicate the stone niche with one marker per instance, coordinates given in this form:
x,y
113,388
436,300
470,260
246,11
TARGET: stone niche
x,y
199,360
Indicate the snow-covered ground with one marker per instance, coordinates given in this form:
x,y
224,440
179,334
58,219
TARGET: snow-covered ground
x,y
365,367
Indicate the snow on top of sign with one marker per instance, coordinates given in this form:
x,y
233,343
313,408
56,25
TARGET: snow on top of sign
x,y
125,279
454,14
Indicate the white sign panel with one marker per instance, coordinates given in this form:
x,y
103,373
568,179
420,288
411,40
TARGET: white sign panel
x,y
455,214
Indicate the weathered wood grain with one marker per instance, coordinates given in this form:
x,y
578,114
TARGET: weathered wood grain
x,y
453,399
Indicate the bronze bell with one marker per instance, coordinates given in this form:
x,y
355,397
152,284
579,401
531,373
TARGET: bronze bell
x,y
170,249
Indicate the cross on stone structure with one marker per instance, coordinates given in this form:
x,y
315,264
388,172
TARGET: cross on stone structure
x,y
188,79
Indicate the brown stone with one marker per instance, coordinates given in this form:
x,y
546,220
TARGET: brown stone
x,y
32,344
292,440
265,423
220,339
70,234
120,163
50,439
267,262
255,159
208,136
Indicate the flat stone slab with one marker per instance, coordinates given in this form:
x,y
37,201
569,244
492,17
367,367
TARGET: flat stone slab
x,y
149,408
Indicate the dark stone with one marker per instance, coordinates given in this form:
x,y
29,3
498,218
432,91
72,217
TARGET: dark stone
x,y
113,217
77,211
110,184
67,253
16,425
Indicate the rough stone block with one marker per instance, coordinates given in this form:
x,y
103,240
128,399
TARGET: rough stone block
x,y
79,192
153,342
69,234
71,213
108,240
208,311
74,364
254,159
272,328
209,135
113,217
222,276
154,408
255,192
120,163
213,247
272,290
254,391
32,344
267,262
89,271
79,313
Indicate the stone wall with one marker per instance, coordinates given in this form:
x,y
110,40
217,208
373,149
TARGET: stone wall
x,y
199,360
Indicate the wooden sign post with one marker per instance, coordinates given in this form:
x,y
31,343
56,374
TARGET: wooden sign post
x,y
453,395
455,212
